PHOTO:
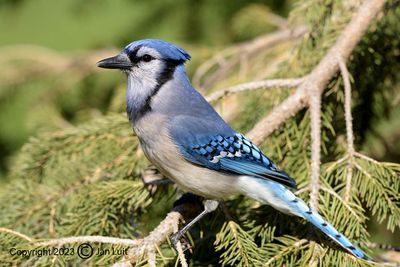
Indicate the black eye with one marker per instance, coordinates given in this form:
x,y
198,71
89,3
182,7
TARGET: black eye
x,y
147,58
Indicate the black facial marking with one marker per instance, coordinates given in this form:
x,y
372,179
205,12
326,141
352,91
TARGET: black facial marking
x,y
132,55
164,76
168,72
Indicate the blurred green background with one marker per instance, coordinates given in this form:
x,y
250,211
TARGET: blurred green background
x,y
44,44
72,25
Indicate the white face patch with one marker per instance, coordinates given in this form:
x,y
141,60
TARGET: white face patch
x,y
151,68
145,78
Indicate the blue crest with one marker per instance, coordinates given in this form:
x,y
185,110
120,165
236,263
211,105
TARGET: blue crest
x,y
166,49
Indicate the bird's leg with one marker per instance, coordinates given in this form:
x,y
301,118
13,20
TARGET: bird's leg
x,y
209,206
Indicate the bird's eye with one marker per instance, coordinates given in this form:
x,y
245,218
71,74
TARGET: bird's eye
x,y
147,58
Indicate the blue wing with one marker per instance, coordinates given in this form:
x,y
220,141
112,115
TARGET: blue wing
x,y
230,152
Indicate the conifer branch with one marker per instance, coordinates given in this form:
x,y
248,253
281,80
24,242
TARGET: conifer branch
x,y
248,48
256,85
90,239
382,246
238,245
347,106
286,250
332,165
362,156
315,116
148,244
316,254
15,233
73,239
302,190
322,73
349,126
179,249
345,203
374,182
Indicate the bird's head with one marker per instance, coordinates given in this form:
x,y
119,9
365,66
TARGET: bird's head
x,y
149,64
151,60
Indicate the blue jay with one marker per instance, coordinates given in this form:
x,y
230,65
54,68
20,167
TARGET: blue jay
x,y
186,139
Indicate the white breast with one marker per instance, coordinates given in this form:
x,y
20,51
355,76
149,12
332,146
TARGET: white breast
x,y
164,154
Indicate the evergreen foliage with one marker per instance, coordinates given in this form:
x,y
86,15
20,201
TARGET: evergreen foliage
x,y
85,179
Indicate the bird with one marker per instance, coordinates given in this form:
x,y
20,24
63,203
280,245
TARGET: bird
x,y
191,144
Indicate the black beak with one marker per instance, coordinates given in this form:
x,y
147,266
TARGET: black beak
x,y
120,61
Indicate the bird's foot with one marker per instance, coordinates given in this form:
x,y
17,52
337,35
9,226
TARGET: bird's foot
x,y
176,237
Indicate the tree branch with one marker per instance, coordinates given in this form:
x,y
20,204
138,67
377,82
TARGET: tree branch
x,y
90,239
266,84
347,106
185,207
315,117
73,239
15,233
346,204
349,127
138,248
382,246
179,249
322,73
284,251
247,48
155,238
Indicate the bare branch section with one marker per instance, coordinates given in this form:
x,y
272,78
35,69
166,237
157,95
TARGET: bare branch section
x,y
347,106
224,61
315,117
90,239
179,249
349,127
322,73
73,239
148,244
15,233
139,247
382,246
266,84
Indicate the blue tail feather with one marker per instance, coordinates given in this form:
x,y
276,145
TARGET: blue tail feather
x,y
319,222
281,198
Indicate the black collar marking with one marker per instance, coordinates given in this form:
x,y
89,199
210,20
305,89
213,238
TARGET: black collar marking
x,y
165,76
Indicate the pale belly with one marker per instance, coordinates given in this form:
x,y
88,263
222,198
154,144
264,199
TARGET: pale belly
x,y
189,177
204,182
161,151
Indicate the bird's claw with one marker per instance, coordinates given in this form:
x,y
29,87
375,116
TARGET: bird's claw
x,y
176,237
